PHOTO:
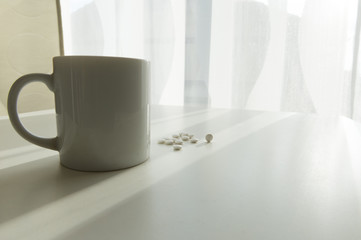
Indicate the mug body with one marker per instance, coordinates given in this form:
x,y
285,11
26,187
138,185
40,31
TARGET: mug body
x,y
102,112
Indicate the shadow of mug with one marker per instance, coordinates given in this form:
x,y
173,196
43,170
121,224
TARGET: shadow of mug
x,y
35,184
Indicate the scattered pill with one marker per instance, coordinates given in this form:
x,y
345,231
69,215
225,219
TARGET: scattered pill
x,y
161,141
177,147
178,140
209,137
185,138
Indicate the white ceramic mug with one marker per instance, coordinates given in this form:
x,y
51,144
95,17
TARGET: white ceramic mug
x,y
102,111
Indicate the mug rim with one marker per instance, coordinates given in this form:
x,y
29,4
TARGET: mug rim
x,y
100,57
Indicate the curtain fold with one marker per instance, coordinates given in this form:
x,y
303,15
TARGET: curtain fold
x,y
273,55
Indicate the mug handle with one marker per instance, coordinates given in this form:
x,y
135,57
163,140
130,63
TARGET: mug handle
x,y
51,143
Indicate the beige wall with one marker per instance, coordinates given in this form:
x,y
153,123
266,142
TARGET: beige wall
x,y
29,38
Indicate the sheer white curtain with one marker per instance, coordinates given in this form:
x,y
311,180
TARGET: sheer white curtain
x,y
278,55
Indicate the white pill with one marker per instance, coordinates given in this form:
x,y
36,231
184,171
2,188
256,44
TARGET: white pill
x,y
177,147
178,142
175,136
169,142
194,140
190,136
209,137
185,138
161,141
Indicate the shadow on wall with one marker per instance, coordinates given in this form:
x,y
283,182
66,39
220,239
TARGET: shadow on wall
x,y
29,40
